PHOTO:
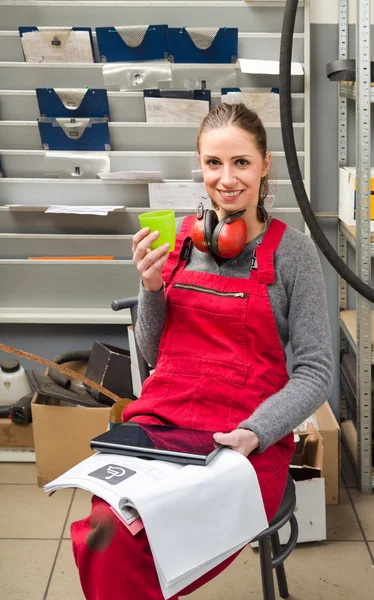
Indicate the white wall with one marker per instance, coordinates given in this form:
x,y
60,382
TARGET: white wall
x,y
327,11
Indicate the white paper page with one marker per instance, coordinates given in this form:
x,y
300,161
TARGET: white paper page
x,y
112,476
175,110
132,175
171,589
77,49
269,67
176,195
82,210
202,511
266,105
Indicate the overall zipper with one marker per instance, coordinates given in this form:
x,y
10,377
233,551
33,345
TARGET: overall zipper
x,y
196,288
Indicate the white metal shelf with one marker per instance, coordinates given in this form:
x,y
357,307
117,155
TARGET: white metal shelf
x,y
24,245
252,16
62,236
23,75
250,44
86,263
24,135
137,210
31,191
176,164
124,106
71,316
259,33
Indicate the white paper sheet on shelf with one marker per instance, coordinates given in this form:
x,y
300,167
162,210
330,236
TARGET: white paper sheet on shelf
x,y
176,195
76,49
175,110
82,210
132,176
267,67
266,105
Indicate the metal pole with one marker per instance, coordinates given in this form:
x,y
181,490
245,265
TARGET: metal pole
x,y
343,161
363,254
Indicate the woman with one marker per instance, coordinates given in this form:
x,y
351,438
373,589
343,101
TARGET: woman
x,y
217,329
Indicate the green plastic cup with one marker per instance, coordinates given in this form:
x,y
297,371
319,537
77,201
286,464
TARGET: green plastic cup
x,y
162,221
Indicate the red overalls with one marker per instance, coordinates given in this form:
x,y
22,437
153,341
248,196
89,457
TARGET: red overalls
x,y
220,357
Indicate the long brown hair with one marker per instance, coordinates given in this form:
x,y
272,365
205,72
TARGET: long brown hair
x,y
238,115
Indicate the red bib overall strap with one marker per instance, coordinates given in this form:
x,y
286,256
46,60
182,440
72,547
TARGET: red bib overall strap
x,y
266,251
177,255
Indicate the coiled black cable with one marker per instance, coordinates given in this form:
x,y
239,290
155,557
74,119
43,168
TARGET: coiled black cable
x,y
292,161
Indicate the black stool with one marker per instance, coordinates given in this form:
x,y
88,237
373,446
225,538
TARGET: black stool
x,y
268,540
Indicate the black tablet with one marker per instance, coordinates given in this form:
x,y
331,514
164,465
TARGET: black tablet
x,y
173,444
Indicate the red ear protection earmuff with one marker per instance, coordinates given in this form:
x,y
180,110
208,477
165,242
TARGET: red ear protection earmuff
x,y
225,238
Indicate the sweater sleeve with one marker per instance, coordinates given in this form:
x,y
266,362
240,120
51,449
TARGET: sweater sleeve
x,y
150,323
312,368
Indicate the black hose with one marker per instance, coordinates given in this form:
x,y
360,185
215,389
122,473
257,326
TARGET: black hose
x,y
292,161
60,359
19,412
5,411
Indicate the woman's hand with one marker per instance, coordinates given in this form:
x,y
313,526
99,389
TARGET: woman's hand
x,y
241,440
149,262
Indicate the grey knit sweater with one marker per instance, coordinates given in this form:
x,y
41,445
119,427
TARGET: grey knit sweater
x,y
299,305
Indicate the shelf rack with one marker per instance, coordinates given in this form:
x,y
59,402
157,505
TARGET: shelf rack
x,y
356,326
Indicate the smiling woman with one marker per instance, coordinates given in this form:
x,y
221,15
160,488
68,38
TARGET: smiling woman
x,y
235,162
216,329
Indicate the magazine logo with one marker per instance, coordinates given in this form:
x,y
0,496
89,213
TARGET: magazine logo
x,y
113,474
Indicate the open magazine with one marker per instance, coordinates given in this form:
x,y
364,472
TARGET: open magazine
x,y
114,478
207,512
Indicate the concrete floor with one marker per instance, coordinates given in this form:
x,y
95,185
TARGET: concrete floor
x,y
36,562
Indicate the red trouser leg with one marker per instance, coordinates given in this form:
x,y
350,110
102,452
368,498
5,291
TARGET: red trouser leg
x,y
115,565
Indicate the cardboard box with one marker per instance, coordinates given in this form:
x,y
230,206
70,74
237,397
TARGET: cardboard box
x,y
347,196
306,470
16,436
330,432
62,434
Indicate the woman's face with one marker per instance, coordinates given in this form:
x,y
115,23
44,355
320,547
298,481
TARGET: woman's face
x,y
232,168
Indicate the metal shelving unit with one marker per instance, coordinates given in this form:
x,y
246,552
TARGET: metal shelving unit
x,y
136,144
356,326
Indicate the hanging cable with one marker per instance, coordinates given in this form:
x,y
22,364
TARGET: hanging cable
x,y
292,160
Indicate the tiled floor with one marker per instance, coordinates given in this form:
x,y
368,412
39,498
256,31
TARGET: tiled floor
x,y
36,561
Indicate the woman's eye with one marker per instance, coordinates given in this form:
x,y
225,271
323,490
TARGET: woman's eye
x,y
213,162
242,162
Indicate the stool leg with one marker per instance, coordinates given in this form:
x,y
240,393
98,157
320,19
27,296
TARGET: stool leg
x,y
281,573
266,568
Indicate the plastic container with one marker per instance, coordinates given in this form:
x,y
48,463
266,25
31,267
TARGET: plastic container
x,y
13,382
